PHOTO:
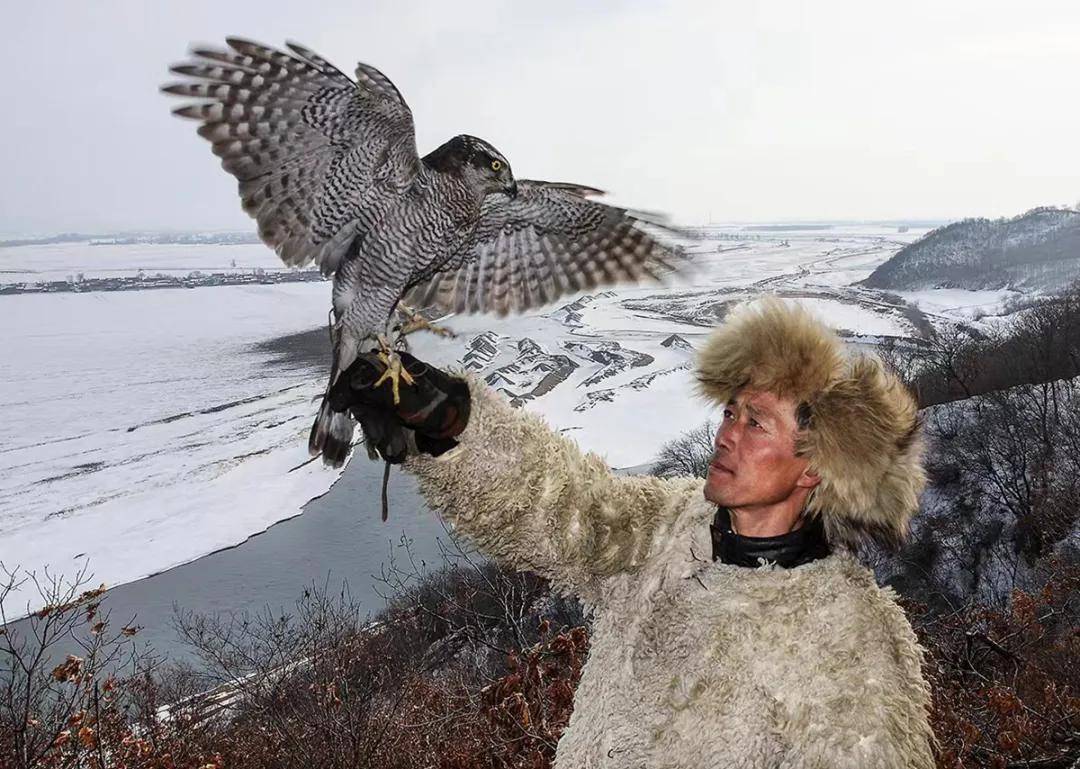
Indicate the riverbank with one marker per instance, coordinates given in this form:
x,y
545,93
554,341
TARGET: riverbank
x,y
338,540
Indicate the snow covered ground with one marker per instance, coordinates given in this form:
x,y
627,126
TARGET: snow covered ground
x,y
142,429
961,304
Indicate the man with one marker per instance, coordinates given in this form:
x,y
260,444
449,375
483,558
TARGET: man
x,y
731,625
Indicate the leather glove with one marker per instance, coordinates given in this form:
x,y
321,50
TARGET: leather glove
x,y
433,410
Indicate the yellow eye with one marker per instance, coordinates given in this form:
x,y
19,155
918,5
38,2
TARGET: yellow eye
x,y
496,165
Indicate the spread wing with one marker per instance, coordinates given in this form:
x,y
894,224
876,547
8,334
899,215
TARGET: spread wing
x,y
549,240
318,157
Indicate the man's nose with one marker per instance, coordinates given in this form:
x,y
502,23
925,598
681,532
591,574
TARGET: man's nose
x,y
726,437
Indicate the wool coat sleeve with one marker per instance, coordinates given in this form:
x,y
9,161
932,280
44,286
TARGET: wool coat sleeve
x,y
531,499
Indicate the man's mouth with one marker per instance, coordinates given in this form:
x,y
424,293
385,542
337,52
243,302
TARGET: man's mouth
x,y
721,468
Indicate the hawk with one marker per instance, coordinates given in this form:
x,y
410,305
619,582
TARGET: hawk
x,y
329,169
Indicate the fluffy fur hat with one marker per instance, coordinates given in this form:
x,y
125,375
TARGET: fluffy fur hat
x,y
862,431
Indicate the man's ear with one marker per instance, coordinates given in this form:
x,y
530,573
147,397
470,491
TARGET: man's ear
x,y
808,480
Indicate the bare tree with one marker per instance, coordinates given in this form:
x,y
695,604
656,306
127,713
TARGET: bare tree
x,y
689,454
1007,467
1041,344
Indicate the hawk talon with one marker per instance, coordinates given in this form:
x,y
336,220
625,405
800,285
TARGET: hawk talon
x,y
416,322
395,372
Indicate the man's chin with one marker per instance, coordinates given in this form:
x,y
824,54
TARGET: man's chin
x,y
716,495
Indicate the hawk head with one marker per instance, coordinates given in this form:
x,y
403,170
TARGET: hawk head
x,y
475,161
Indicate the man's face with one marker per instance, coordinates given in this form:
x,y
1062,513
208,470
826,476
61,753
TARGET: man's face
x,y
754,462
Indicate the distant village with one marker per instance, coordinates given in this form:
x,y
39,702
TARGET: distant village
x,y
142,281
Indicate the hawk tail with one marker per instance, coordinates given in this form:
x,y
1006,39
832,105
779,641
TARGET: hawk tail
x,y
332,431
331,435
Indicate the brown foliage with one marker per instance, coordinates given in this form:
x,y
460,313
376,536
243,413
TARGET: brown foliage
x,y
78,712
529,708
429,685
1006,684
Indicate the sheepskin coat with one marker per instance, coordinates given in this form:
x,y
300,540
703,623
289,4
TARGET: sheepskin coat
x,y
693,663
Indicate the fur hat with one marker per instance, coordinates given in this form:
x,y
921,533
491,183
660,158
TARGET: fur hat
x,y
861,431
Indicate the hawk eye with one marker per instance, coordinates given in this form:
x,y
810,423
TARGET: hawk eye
x,y
496,165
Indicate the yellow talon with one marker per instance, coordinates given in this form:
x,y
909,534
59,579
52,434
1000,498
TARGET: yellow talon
x,y
421,324
417,322
395,372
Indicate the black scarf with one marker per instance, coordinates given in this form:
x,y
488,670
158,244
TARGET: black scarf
x,y
795,548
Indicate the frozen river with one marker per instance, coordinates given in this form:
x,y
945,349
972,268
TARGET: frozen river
x,y
143,430
338,539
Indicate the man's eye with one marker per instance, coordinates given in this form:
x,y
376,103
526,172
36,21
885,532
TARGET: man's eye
x,y
728,414
757,424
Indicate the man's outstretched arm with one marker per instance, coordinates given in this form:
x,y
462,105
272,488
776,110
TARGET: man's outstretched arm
x,y
528,496
531,498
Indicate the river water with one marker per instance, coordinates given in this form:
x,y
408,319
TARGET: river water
x,y
338,538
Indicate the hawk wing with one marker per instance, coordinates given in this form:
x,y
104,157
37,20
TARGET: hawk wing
x,y
549,240
318,156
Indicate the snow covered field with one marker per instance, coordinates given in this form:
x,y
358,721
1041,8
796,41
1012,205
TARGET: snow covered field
x,y
142,429
960,304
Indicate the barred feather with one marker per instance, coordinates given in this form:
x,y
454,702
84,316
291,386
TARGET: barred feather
x,y
328,168
549,241
316,155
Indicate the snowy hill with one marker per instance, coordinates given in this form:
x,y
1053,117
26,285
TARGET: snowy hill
x,y
533,372
1037,250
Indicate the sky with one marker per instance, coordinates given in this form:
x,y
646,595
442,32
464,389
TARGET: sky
x,y
708,111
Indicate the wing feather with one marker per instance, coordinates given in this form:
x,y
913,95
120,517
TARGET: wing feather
x,y
317,156
548,241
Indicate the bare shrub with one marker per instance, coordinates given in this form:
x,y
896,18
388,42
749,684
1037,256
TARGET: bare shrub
x,y
460,654
469,665
82,710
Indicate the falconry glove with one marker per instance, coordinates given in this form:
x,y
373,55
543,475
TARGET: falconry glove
x,y
432,411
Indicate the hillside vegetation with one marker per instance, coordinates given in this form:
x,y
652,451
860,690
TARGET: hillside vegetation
x,y
1036,250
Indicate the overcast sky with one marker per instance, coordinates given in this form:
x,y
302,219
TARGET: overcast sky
x,y
709,111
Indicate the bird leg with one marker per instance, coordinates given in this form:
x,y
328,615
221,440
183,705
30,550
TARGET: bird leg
x,y
395,372
415,322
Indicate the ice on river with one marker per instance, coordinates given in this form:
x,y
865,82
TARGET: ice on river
x,y
142,429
